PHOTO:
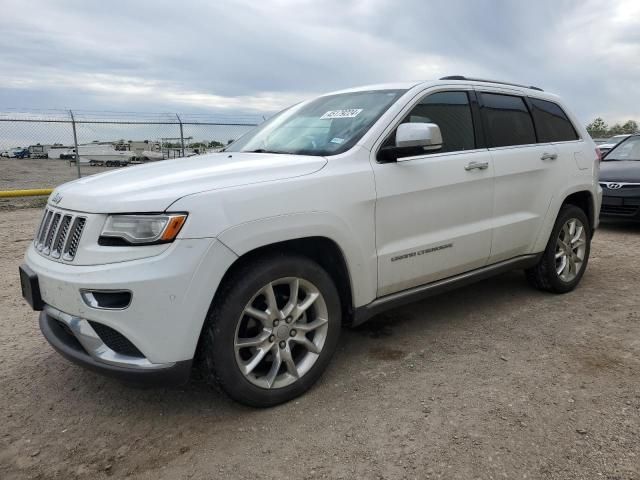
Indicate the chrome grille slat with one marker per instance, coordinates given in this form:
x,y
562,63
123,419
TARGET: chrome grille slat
x,y
53,228
59,234
40,227
622,185
74,239
45,228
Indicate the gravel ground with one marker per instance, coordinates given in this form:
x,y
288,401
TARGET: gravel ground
x,y
495,380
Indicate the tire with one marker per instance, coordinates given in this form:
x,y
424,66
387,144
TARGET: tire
x,y
228,327
544,275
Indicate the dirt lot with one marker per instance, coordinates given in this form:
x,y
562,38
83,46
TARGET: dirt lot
x,y
492,381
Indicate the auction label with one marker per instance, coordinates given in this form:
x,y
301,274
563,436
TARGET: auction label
x,y
347,113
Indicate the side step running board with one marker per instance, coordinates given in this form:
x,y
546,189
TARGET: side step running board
x,y
364,313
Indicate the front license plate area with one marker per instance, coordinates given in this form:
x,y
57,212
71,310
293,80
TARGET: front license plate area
x,y
30,288
612,200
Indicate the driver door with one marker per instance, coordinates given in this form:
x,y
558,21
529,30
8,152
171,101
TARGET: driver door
x,y
434,210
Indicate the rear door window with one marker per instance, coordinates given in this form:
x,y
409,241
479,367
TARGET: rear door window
x,y
552,124
507,120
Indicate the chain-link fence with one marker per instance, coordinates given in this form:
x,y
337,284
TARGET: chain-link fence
x,y
40,149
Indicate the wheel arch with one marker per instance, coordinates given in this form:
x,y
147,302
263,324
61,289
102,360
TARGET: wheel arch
x,y
580,196
355,247
321,249
584,200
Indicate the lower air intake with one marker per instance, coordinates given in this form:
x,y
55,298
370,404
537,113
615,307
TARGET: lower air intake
x,y
116,341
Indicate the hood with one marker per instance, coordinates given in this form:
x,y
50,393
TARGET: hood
x,y
620,171
155,186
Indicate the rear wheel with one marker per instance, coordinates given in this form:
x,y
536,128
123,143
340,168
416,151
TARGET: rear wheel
x,y
272,331
567,253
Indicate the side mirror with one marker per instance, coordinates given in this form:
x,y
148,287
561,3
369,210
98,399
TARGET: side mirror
x,y
419,135
411,139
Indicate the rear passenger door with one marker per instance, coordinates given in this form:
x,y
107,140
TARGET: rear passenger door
x,y
526,173
553,126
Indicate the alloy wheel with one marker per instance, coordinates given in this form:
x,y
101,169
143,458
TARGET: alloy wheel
x,y
281,332
570,249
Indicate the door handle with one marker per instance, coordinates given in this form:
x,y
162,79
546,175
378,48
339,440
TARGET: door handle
x,y
476,166
549,156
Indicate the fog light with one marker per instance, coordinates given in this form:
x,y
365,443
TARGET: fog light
x,y
107,299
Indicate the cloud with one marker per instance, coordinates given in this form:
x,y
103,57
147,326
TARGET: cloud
x,y
245,56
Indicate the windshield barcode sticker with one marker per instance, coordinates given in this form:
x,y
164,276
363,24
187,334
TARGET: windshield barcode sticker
x,y
348,113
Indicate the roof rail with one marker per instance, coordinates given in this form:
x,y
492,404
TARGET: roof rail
x,y
462,77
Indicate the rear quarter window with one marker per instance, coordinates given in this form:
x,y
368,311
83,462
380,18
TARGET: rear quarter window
x,y
507,120
552,124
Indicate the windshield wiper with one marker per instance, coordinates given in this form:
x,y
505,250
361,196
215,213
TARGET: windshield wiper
x,y
261,150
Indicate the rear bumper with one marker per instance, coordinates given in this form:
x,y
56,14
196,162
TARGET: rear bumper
x,y
75,340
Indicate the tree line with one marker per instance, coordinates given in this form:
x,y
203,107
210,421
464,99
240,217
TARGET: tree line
x,y
600,129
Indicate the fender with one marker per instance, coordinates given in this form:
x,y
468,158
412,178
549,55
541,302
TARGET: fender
x,y
554,209
360,259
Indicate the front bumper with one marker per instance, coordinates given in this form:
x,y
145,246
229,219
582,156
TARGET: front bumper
x,y
621,204
77,341
171,294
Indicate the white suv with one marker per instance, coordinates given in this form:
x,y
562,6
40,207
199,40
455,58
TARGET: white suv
x,y
248,262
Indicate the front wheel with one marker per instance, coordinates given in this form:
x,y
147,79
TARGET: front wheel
x,y
565,258
272,330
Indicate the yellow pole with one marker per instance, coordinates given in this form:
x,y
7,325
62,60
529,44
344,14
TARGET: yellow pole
x,y
36,192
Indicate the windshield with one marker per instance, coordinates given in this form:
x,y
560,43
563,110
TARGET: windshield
x,y
629,149
615,140
325,126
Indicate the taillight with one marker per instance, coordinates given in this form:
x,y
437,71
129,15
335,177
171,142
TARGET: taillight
x,y
598,154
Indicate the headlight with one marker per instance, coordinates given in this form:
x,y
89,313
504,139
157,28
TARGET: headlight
x,y
121,230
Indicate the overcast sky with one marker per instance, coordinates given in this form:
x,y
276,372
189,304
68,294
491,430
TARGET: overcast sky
x,y
259,56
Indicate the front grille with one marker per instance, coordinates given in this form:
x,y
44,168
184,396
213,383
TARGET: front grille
x,y
59,234
626,210
116,341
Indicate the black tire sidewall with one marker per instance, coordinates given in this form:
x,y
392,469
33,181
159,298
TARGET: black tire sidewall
x,y
567,213
223,322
